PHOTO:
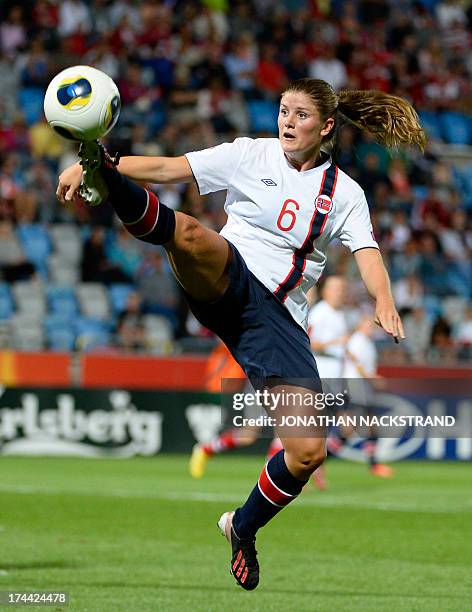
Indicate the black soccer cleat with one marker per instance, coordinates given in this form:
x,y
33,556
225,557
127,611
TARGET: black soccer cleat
x,y
244,564
94,157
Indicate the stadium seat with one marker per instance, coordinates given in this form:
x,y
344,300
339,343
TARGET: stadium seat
x,y
36,245
31,100
60,332
7,306
91,334
93,300
61,271
454,308
66,241
5,334
62,300
263,116
159,335
119,293
29,298
456,128
27,332
465,178
432,306
430,122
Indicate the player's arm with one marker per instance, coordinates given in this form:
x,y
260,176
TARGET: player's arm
x,y
377,282
138,168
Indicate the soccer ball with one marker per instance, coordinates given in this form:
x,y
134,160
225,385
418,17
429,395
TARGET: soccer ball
x,y
82,103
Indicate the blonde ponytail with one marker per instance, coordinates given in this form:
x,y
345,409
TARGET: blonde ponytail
x,y
391,119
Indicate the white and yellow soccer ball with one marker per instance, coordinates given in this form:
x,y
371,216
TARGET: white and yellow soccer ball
x,y
82,103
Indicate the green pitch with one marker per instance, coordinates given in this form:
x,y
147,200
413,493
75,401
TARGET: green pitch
x,y
141,535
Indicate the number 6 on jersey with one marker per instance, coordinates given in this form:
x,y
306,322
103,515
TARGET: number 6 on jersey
x,y
291,214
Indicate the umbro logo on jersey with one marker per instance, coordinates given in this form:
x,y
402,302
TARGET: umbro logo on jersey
x,y
324,204
269,182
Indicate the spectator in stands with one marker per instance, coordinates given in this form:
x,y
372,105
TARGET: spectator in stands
x,y
241,65
95,267
13,32
124,252
408,293
13,264
441,344
296,67
418,334
270,76
462,334
433,267
157,286
329,68
130,333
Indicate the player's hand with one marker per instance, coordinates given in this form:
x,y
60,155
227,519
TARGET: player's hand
x,y
387,317
69,183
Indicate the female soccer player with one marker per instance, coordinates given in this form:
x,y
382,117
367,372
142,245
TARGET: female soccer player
x,y
286,200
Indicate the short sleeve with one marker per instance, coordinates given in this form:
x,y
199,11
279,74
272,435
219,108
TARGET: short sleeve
x,y
356,232
213,168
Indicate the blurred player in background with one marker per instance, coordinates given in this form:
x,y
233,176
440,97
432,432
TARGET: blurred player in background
x,y
221,365
360,368
328,328
329,333
286,200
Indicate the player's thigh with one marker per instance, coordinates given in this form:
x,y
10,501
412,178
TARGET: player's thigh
x,y
199,257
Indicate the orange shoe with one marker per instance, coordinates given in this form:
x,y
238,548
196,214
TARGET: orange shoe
x,y
382,471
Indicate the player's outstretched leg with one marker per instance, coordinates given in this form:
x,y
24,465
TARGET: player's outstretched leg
x,y
199,256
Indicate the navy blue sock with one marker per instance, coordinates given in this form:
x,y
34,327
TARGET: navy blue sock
x,y
139,209
275,489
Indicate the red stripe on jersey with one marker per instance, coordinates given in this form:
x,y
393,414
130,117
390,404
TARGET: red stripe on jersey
x,y
304,244
148,220
270,491
295,275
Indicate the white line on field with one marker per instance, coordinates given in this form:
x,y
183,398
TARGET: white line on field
x,y
322,500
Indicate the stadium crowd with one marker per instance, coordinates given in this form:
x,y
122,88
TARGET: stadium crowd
x,y
192,74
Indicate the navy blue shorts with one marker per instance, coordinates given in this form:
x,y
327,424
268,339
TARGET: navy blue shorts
x,y
258,330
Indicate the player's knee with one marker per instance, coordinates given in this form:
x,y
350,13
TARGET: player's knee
x,y
309,457
189,233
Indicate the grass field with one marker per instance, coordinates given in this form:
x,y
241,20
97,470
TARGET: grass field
x,y
140,535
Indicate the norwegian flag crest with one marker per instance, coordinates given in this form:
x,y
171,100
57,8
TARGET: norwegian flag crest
x,y
324,204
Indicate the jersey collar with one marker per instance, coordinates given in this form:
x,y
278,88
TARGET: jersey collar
x,y
316,170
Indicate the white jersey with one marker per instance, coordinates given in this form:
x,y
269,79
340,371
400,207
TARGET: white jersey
x,y
364,352
282,220
325,324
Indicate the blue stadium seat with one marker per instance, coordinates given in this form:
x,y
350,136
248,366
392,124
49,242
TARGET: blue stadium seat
x,y
456,128
91,334
430,122
31,100
5,289
432,306
60,332
62,300
36,245
263,116
119,293
7,306
61,339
